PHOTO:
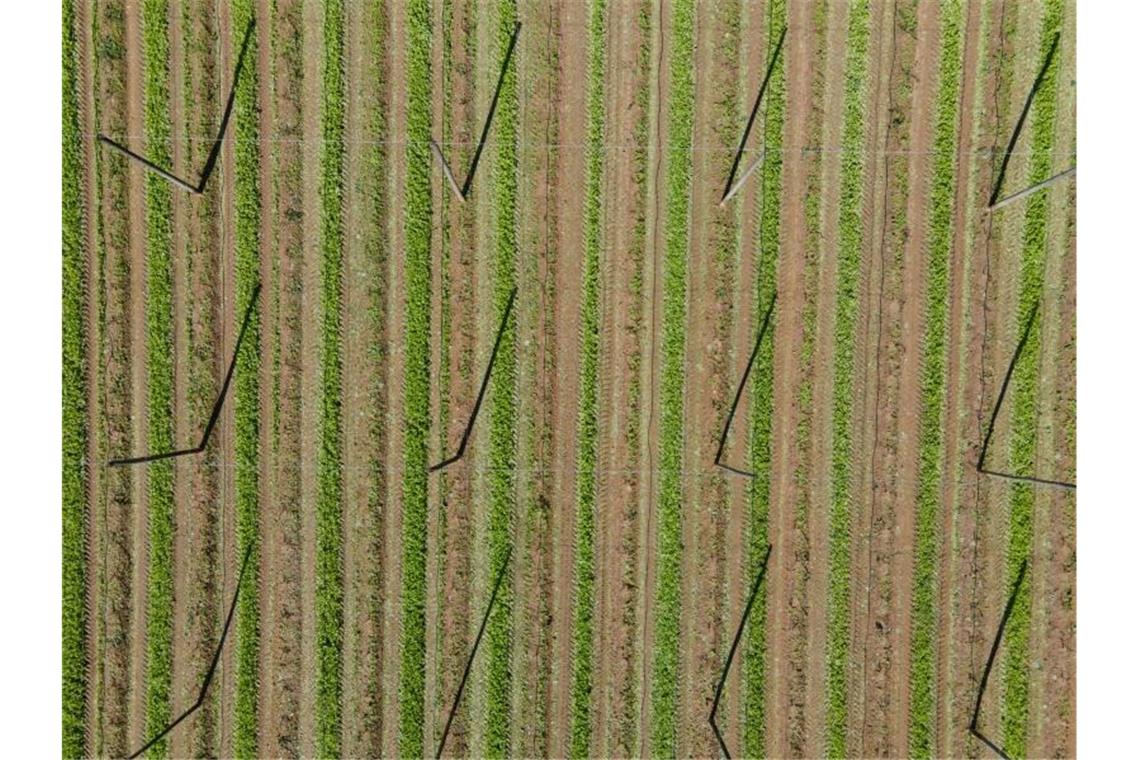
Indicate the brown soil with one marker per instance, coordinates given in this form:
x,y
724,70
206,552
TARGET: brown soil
x,y
822,436
924,52
365,486
116,499
952,679
785,695
138,369
655,243
711,265
620,475
455,484
311,20
281,593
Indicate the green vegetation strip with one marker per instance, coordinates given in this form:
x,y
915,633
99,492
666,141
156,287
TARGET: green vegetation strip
x,y
247,220
330,572
767,251
503,393
160,371
847,308
587,483
74,407
665,685
939,241
1015,706
417,375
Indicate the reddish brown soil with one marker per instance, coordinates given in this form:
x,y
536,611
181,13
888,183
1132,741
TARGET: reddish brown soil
x,y
659,31
785,696
280,695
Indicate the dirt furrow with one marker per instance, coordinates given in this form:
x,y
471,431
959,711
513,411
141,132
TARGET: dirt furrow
x,y
711,263
458,127
311,21
282,658
391,523
133,51
785,698
365,487
565,380
924,52
951,680
823,383
655,243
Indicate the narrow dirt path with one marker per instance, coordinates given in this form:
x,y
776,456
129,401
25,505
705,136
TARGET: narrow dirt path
x,y
950,679
655,243
711,263
364,334
310,97
823,382
574,18
924,70
621,471
139,418
281,541
800,47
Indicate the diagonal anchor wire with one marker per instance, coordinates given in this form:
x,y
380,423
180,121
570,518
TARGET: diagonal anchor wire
x,y
482,390
215,150
739,393
217,411
732,652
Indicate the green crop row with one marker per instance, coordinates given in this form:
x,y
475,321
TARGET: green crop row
x,y
247,220
160,370
665,685
1015,707
939,241
74,406
417,375
847,307
767,252
330,591
503,394
583,634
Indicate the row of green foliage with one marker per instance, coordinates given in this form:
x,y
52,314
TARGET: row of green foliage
x,y
1015,708
160,369
329,571
247,220
940,237
767,251
417,374
504,401
587,483
847,307
74,406
665,686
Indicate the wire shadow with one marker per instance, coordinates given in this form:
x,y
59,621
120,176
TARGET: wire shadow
x,y
213,665
729,189
471,657
1021,120
482,390
217,411
990,665
981,466
732,652
215,150
462,193
739,393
